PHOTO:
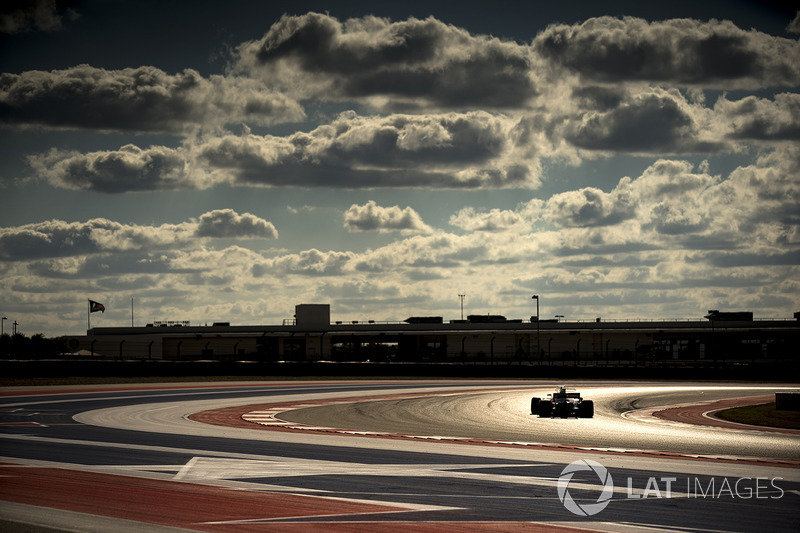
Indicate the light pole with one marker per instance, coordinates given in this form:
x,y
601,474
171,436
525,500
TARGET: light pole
x,y
2,334
538,347
559,317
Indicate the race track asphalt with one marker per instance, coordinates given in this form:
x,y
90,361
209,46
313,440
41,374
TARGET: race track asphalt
x,y
132,458
505,416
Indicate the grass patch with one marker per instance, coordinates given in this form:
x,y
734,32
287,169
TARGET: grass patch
x,y
762,415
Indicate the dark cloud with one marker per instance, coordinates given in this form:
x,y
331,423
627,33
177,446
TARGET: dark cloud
x,y
40,241
425,275
437,151
651,123
681,51
411,141
763,120
29,15
320,42
598,98
588,207
99,236
485,81
596,246
620,260
140,99
229,223
128,169
672,219
720,240
356,296
728,260
99,266
53,238
423,60
57,238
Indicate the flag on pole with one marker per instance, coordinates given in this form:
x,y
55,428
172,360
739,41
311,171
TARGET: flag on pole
x,y
96,306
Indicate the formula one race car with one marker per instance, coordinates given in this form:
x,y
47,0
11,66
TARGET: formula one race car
x,y
562,404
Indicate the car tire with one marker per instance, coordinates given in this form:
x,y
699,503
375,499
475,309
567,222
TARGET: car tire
x,y
534,406
545,409
586,409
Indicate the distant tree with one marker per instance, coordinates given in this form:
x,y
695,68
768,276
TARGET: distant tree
x,y
18,346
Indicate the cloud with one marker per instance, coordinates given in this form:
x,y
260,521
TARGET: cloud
x,y
138,99
358,294
671,206
229,223
372,217
115,264
408,64
438,108
470,150
728,260
589,207
674,207
493,220
625,238
306,263
767,194
40,15
129,169
649,122
302,209
676,179
639,244
713,54
57,238
794,25
438,250
760,119
463,151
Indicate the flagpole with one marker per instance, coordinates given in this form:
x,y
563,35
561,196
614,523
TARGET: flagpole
x,y
89,315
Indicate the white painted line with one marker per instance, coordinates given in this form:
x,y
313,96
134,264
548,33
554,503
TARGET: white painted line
x,y
186,468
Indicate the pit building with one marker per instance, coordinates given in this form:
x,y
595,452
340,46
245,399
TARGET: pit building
x,y
488,339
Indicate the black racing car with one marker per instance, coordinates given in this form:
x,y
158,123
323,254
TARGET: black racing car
x,y
562,404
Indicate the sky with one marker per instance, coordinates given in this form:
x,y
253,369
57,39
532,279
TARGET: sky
x,y
226,161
